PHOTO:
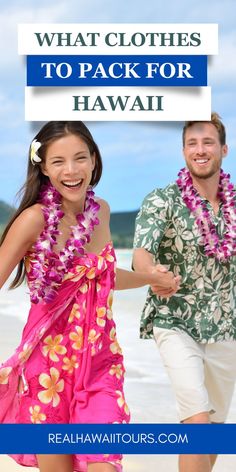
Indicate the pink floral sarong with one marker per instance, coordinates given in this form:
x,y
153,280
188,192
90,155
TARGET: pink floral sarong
x,y
69,360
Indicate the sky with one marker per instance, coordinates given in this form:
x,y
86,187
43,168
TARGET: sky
x,y
137,156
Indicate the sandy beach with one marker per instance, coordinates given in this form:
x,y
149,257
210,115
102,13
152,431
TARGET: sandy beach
x,y
154,402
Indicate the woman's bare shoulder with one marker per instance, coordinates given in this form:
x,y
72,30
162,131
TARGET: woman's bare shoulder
x,y
104,206
31,221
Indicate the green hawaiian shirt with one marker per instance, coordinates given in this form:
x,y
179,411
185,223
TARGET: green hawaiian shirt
x,y
205,305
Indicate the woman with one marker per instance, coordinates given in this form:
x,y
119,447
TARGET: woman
x,y
69,366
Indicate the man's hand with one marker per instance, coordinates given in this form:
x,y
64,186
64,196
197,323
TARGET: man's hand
x,y
166,283
163,291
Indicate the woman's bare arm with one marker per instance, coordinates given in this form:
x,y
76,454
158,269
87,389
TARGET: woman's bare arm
x,y
126,279
19,239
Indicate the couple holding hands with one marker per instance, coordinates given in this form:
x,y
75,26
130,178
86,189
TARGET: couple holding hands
x,y
69,367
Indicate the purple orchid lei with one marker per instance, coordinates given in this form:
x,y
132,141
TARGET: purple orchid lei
x,y
49,267
224,249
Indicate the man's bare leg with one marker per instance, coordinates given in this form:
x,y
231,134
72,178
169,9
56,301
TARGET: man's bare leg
x,y
213,457
197,462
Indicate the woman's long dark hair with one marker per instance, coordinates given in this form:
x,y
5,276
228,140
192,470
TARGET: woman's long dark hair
x,y
35,178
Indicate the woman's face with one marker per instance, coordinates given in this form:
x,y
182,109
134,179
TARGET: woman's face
x,y
69,166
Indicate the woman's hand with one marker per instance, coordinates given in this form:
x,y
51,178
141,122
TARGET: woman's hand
x,y
167,284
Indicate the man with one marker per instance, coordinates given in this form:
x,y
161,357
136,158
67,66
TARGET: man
x,y
190,228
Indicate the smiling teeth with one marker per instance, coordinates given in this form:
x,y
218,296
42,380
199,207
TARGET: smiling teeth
x,y
201,161
72,184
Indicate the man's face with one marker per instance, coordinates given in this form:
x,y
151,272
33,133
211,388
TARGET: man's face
x,y
203,151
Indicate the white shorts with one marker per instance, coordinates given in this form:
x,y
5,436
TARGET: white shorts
x,y
202,375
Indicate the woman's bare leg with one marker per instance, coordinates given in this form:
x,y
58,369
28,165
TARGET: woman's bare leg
x,y
64,463
55,462
101,467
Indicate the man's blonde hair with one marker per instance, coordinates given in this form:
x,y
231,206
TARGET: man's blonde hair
x,y
215,120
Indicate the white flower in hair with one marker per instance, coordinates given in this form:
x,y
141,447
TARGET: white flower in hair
x,y
34,157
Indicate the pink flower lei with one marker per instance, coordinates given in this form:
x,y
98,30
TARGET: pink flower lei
x,y
224,249
49,267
